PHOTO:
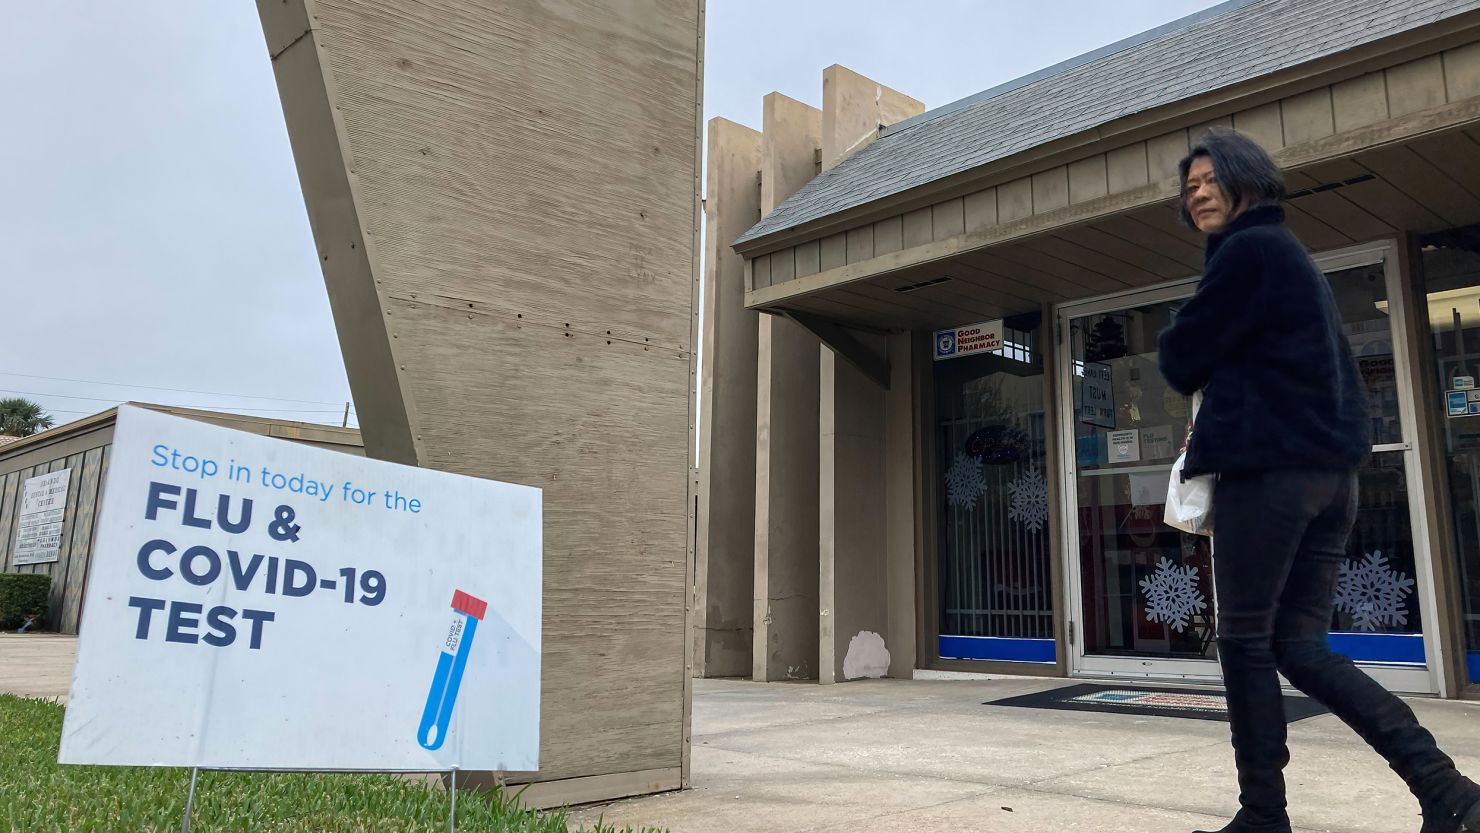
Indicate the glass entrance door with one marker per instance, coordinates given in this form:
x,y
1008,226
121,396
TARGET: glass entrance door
x,y
1143,592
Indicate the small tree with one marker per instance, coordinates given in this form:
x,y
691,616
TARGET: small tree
x,y
22,417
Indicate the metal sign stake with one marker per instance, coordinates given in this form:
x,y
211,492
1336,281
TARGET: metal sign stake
x,y
189,800
452,814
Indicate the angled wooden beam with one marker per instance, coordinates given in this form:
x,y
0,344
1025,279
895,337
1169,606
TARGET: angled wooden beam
x,y
843,342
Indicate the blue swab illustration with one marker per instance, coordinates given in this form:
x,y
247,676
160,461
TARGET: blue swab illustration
x,y
467,611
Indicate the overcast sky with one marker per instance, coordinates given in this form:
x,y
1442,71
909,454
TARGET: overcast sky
x,y
153,240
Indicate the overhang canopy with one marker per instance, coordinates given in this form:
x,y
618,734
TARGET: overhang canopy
x,y
1424,185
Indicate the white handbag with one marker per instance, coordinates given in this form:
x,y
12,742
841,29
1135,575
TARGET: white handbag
x,y
1190,502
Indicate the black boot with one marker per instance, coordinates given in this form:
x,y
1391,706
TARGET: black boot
x,y
1449,799
1249,822
1259,752
1444,820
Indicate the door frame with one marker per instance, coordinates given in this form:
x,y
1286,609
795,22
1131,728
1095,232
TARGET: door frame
x,y
1424,679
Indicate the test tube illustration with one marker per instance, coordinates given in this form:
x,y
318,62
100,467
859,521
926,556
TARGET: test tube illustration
x,y
467,612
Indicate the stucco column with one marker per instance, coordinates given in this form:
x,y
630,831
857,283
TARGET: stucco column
x,y
725,565
853,108
867,525
785,599
901,519
866,452
854,602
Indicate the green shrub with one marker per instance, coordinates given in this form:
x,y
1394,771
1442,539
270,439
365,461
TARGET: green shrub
x,y
22,595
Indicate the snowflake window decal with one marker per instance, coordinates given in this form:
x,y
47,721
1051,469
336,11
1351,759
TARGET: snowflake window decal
x,y
964,482
1029,504
1373,593
1172,597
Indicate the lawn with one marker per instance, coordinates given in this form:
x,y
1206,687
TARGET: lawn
x,y
39,796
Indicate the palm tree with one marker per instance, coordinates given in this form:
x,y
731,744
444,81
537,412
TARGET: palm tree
x,y
22,417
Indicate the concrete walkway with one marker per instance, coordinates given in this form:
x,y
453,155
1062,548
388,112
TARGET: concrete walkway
x,y
925,755
37,665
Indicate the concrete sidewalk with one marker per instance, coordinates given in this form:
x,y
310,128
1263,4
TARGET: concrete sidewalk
x,y
926,755
37,664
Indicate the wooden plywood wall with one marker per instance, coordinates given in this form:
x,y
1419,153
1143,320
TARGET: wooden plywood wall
x,y
504,199
69,572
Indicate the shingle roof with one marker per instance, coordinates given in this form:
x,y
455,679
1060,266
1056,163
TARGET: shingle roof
x,y
1206,53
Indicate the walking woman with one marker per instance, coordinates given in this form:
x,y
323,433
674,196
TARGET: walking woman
x,y
1284,426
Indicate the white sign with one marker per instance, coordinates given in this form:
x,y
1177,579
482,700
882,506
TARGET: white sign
x,y
1464,382
1158,443
38,535
261,604
965,341
1125,446
1097,395
1149,488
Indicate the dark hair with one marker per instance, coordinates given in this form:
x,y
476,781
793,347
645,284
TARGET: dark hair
x,y
1245,172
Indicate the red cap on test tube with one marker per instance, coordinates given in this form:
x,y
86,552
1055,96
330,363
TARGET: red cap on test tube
x,y
471,605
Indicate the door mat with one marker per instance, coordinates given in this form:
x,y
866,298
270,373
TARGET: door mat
x,y
1148,702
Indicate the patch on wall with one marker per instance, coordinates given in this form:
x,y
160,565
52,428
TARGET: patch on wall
x,y
867,656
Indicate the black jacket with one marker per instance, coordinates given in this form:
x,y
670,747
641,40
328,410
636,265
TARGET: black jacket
x,y
1262,339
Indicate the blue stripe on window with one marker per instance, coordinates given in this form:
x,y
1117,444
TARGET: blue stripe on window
x,y
1001,649
1401,648
1389,648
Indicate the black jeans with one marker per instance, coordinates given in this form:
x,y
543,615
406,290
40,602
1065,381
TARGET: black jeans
x,y
1279,540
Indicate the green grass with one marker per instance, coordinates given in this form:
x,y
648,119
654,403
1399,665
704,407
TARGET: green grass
x,y
39,796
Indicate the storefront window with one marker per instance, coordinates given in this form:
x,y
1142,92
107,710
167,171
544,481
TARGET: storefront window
x,y
996,592
1451,266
